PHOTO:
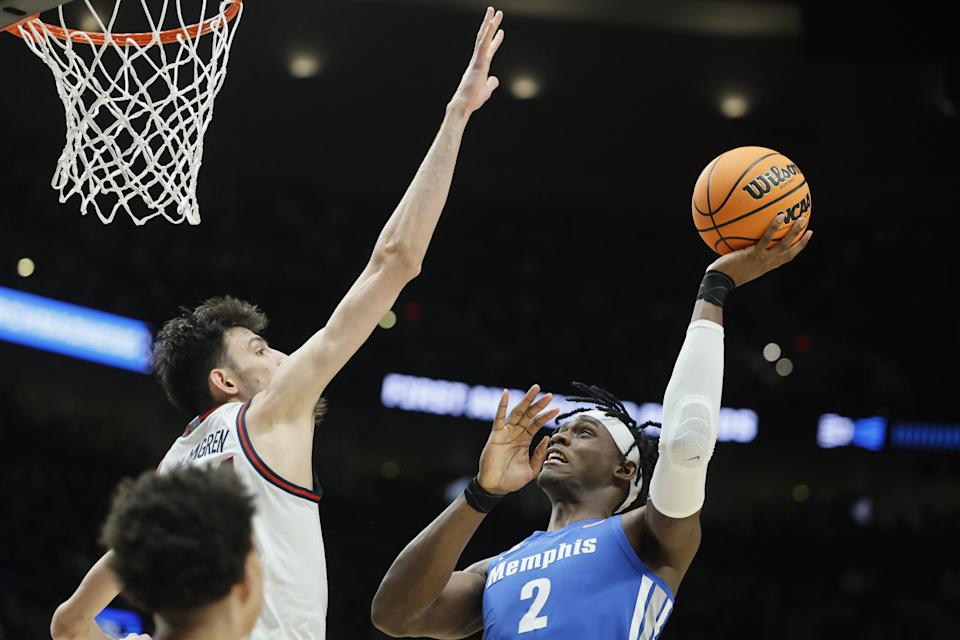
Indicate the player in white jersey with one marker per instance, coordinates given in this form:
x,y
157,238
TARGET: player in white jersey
x,y
208,586
286,522
610,562
257,406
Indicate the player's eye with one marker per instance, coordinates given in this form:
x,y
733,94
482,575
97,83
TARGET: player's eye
x,y
259,352
580,432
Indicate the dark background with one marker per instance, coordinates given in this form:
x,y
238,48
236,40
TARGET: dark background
x,y
566,251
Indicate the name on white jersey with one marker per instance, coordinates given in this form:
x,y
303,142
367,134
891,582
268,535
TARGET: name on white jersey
x,y
213,443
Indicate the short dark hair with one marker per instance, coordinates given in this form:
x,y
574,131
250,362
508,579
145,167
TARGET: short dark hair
x,y
180,540
192,344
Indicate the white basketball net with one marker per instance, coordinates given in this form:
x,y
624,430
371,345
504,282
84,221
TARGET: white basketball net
x,y
136,112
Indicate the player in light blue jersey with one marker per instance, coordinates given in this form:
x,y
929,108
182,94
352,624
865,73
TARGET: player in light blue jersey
x,y
625,523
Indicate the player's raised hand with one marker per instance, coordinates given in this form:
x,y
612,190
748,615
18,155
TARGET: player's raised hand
x,y
750,263
477,85
505,463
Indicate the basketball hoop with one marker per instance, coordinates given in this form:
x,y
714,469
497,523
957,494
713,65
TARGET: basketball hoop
x,y
137,106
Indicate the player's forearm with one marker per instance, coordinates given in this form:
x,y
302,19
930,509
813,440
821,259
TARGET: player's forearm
x,y
421,571
704,310
691,410
407,233
396,260
74,619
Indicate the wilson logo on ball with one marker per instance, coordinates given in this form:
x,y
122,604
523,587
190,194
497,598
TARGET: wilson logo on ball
x,y
773,178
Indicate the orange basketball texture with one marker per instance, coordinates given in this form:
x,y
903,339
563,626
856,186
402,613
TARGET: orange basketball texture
x,y
739,194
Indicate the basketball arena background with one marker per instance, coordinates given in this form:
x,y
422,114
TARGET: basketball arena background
x,y
566,251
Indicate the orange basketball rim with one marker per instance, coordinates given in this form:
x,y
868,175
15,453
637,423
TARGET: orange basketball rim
x,y
143,39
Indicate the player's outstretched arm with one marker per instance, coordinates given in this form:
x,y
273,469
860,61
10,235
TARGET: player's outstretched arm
x,y
397,255
691,406
421,594
74,619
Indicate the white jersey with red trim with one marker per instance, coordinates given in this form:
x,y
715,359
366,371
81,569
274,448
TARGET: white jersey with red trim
x,y
286,524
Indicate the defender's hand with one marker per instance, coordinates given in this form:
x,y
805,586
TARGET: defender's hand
x,y
505,463
477,85
750,263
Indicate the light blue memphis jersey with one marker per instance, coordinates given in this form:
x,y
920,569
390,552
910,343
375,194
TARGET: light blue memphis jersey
x,y
582,581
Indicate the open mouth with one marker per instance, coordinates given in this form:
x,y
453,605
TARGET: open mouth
x,y
555,457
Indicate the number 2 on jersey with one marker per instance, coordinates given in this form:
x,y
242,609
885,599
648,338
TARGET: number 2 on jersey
x,y
530,620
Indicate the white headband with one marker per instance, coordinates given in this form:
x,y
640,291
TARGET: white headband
x,y
625,443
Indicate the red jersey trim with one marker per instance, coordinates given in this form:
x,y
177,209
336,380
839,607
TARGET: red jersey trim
x,y
268,474
196,422
207,414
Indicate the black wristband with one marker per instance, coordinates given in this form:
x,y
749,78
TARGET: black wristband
x,y
480,499
715,287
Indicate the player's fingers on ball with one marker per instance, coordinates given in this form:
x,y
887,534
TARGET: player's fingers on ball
x,y
792,252
772,228
798,231
795,231
801,244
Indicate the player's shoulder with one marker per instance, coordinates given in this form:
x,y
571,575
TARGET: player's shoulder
x,y
480,567
224,413
208,433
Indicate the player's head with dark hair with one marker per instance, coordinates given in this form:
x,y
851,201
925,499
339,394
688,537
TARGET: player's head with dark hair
x,y
214,353
182,547
585,456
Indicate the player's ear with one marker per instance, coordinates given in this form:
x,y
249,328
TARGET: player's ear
x,y
222,383
627,470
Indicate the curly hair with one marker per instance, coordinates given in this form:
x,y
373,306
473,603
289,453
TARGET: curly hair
x,y
180,540
646,445
190,345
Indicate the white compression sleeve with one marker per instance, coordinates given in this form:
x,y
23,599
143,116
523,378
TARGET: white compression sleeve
x,y
691,409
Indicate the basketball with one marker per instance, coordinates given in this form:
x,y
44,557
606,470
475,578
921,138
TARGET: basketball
x,y
741,191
